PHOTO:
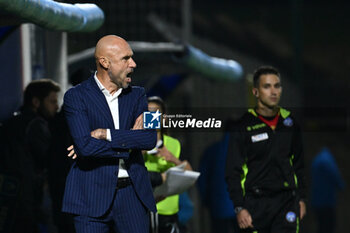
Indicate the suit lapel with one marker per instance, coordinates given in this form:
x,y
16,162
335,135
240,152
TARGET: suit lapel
x,y
123,105
99,100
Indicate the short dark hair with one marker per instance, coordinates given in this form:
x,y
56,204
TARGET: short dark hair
x,y
159,101
263,70
40,89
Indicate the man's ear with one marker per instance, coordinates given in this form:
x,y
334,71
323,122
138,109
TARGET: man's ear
x,y
255,92
35,102
104,62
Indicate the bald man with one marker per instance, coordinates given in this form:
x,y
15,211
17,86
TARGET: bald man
x,y
108,187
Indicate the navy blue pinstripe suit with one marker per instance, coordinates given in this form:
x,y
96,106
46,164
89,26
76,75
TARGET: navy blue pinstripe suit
x,y
92,180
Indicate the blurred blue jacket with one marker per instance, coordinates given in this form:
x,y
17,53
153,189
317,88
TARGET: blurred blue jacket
x,y
212,184
326,180
185,208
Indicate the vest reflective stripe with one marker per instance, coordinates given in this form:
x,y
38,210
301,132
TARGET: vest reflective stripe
x,y
297,231
295,176
244,177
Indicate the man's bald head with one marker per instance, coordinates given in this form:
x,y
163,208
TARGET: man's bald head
x,y
108,45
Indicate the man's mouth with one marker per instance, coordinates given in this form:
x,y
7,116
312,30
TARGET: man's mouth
x,y
129,74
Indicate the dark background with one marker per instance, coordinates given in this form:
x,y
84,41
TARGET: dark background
x,y
308,41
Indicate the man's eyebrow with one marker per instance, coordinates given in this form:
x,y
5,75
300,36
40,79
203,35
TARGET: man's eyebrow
x,y
128,56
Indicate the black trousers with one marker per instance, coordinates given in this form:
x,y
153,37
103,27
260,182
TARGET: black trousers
x,y
273,213
224,225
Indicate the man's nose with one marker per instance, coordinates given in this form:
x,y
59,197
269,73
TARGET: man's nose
x,y
273,91
132,63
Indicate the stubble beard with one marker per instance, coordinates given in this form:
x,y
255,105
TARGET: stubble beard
x,y
117,81
269,106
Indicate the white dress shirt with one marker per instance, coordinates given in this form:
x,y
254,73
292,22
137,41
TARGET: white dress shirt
x,y
112,101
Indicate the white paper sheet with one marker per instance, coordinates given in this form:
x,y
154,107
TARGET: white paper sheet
x,y
178,180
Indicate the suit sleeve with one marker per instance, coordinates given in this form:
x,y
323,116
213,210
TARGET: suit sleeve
x,y
78,122
298,162
234,167
135,139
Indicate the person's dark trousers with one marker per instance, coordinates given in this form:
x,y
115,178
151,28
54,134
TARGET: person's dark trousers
x,y
274,213
38,188
127,215
326,218
224,225
168,223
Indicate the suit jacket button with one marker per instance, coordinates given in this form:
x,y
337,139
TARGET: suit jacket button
x,y
123,144
118,153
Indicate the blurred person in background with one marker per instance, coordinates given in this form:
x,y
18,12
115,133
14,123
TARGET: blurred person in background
x,y
58,166
185,214
28,139
213,188
326,181
157,161
265,168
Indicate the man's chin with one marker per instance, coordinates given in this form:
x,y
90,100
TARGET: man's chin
x,y
126,85
272,106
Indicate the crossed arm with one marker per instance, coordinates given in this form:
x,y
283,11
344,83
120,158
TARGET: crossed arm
x,y
93,143
101,134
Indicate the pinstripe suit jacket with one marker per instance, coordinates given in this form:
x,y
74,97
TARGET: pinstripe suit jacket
x,y
91,182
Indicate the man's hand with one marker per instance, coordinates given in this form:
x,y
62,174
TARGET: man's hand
x,y
168,156
138,123
188,166
244,219
163,176
99,134
72,153
302,209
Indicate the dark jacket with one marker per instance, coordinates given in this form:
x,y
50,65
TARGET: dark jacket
x,y
264,161
92,180
25,139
